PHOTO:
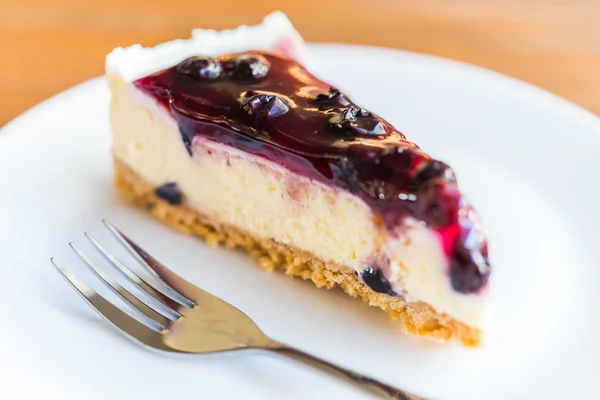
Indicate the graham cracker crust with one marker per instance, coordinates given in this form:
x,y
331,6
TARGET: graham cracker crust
x,y
416,318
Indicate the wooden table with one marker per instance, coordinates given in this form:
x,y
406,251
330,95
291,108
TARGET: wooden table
x,y
49,45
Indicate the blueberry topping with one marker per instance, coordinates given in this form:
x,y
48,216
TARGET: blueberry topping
x,y
200,68
356,121
272,107
373,278
265,105
170,193
255,67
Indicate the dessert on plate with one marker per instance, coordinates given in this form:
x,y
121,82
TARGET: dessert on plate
x,y
230,136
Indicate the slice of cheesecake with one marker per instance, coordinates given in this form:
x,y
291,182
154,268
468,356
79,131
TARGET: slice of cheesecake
x,y
230,136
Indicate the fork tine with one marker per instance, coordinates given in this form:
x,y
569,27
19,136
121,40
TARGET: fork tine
x,y
166,293
148,335
150,317
158,270
164,304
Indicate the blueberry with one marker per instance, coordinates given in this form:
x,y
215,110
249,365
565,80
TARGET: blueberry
x,y
254,67
333,92
345,117
373,278
187,143
469,263
170,193
430,171
331,98
355,121
438,205
469,268
200,68
382,173
187,129
229,66
262,105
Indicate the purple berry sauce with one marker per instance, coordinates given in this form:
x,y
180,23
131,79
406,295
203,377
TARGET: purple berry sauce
x,y
271,106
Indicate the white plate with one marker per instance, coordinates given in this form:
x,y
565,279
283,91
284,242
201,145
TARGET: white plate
x,y
527,159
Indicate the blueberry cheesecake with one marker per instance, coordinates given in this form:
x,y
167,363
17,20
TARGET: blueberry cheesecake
x,y
229,136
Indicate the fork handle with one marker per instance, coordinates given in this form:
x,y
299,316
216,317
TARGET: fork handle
x,y
366,382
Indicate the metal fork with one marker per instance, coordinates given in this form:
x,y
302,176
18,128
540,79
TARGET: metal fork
x,y
178,317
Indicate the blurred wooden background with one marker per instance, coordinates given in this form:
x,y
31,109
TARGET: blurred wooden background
x,y
49,45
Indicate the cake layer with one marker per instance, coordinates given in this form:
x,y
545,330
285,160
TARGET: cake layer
x,y
233,187
417,318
